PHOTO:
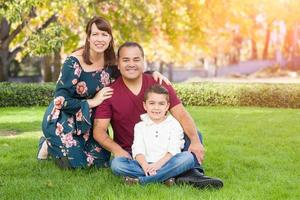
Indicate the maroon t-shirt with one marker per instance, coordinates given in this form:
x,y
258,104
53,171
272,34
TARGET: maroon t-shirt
x,y
124,109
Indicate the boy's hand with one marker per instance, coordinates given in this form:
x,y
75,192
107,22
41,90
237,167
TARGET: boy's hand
x,y
153,168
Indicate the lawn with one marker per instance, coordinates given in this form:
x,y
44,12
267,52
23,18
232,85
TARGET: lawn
x,y
256,151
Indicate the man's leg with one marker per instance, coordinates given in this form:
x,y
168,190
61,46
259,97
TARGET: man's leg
x,y
187,143
122,166
176,165
196,176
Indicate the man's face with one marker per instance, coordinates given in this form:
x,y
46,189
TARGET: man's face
x,y
131,63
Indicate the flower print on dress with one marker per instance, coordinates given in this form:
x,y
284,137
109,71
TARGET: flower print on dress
x,y
74,81
86,135
58,102
64,151
105,78
54,114
77,70
68,140
81,88
90,159
98,149
78,132
59,128
79,116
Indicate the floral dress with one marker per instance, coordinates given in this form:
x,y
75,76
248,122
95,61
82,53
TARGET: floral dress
x,y
68,121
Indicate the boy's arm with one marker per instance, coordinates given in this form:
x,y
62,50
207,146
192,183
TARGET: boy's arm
x,y
142,161
101,136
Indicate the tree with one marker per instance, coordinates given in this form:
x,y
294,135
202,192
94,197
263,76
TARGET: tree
x,y
17,27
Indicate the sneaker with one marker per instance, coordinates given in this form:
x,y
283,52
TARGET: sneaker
x,y
43,149
169,182
130,181
195,178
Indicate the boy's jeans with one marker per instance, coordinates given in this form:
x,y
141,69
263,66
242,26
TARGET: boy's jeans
x,y
178,164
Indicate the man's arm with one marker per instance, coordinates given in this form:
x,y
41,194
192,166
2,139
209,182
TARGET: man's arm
x,y
101,136
190,130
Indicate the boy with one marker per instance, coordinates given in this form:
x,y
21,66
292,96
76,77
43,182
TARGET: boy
x,y
156,149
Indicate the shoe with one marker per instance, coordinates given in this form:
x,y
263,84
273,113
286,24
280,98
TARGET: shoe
x,y
42,153
63,163
197,179
130,181
169,182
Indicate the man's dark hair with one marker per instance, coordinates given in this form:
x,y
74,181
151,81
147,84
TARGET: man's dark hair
x,y
157,89
130,44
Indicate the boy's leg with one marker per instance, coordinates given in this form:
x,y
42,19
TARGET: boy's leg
x,y
122,166
176,165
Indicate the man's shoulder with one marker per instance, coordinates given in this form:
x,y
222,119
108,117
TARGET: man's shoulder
x,y
117,83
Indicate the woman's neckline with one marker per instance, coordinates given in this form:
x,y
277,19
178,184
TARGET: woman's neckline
x,y
94,71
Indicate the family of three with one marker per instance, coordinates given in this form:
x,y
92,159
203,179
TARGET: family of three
x,y
154,137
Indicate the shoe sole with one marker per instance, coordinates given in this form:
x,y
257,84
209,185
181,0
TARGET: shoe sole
x,y
203,184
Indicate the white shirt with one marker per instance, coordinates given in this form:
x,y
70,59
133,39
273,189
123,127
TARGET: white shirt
x,y
155,140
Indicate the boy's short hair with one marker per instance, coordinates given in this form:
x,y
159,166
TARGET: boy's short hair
x,y
157,89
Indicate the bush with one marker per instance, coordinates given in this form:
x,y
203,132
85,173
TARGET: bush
x,y
26,94
193,94
240,94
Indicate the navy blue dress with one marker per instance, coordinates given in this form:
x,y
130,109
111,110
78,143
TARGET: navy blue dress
x,y
68,120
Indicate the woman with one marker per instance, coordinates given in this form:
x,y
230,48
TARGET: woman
x,y
82,85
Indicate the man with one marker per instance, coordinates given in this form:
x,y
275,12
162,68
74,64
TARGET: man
x,y
124,108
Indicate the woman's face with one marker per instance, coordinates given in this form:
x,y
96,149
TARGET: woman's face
x,y
99,40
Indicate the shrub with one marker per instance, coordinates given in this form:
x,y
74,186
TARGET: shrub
x,y
193,94
240,94
26,94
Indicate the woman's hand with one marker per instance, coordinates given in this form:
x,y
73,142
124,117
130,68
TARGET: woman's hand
x,y
158,77
100,96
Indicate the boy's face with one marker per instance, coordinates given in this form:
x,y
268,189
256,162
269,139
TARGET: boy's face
x,y
156,106
131,63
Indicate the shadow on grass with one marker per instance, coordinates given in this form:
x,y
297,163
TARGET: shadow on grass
x,y
10,128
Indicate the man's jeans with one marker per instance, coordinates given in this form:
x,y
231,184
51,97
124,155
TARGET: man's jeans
x,y
178,164
187,143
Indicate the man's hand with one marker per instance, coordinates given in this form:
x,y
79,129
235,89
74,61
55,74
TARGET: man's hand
x,y
198,149
122,153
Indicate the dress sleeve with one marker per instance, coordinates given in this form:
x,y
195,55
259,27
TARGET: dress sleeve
x,y
176,138
138,146
69,94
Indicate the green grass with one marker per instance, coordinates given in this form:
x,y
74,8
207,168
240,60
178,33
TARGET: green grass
x,y
256,151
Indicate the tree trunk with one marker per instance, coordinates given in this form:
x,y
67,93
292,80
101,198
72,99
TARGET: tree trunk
x,y
46,68
267,41
170,71
56,65
254,49
161,67
4,50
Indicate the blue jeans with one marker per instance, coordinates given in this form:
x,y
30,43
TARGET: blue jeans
x,y
181,162
187,143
